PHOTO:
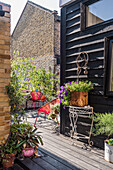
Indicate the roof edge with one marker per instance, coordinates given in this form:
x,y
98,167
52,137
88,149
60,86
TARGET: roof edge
x,y
62,3
30,2
5,4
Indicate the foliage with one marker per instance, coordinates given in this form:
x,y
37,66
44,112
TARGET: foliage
x,y
28,137
110,142
9,147
20,133
56,107
68,88
55,110
20,80
104,123
46,82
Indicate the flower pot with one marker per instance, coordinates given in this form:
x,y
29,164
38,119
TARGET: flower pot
x,y
9,160
53,116
56,112
108,152
27,152
79,98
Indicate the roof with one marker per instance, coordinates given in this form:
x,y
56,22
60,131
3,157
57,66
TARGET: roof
x,y
32,3
65,2
5,4
36,5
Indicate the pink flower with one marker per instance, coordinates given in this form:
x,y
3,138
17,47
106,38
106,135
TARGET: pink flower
x,y
71,90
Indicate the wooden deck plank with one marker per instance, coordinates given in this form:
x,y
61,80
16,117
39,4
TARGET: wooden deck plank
x,y
90,157
59,159
30,165
80,157
56,163
44,164
71,158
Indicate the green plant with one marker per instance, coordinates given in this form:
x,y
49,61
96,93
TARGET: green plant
x,y
10,147
46,82
110,142
28,138
104,124
68,88
55,110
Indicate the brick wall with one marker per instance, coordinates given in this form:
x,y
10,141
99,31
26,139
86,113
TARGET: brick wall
x,y
34,35
4,72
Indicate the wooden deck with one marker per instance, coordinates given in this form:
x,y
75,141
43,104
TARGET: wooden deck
x,y
59,153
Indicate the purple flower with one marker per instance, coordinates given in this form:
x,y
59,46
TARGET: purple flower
x,y
76,82
59,96
66,85
61,91
60,101
64,107
69,82
66,92
62,87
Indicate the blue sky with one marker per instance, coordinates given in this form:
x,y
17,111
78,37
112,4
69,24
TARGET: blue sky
x,y
18,5
103,9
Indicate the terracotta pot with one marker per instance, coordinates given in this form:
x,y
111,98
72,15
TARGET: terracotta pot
x,y
9,161
27,152
56,112
53,116
79,99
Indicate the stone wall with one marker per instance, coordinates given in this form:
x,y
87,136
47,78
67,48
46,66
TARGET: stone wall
x,y
4,72
34,35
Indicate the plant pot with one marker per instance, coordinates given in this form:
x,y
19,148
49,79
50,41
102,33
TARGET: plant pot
x,y
56,112
53,116
27,152
9,161
108,152
79,98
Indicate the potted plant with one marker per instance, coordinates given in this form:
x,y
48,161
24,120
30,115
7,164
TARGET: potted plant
x,y
28,141
55,111
104,125
75,93
8,152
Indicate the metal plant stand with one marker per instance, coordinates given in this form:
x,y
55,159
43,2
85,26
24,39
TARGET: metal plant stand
x,y
74,113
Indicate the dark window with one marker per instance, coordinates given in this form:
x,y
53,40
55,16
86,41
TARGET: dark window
x,y
109,66
99,11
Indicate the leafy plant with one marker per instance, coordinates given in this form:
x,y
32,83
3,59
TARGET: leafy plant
x,y
55,110
46,82
68,88
104,124
28,138
10,147
110,142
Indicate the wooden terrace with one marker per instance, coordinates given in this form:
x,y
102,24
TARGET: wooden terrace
x,y
59,153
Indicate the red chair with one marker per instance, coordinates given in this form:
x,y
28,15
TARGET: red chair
x,y
46,109
37,96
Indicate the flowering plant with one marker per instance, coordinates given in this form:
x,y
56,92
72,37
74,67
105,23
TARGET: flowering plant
x,y
67,88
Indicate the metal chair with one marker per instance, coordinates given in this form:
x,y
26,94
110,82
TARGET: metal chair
x,y
46,109
37,96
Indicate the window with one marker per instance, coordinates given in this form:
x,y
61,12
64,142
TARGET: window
x,y
109,66
98,12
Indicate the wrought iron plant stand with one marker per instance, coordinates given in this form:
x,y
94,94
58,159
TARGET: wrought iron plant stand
x,y
74,113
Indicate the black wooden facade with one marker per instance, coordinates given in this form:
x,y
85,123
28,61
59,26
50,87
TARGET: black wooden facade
x,y
75,38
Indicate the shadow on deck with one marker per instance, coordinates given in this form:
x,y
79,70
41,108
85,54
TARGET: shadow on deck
x,y
59,153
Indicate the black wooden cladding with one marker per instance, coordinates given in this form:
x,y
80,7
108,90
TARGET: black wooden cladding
x,y
75,39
